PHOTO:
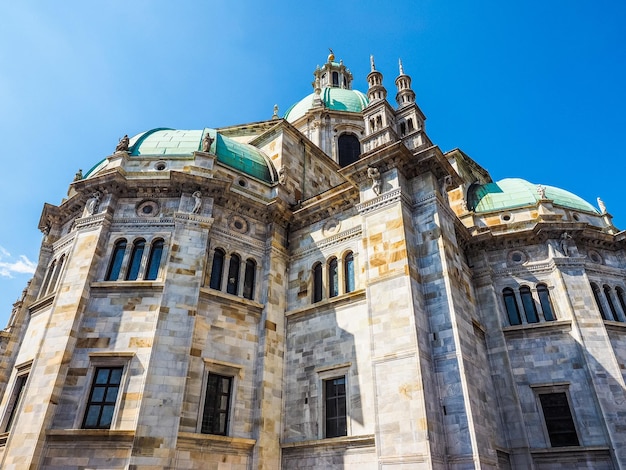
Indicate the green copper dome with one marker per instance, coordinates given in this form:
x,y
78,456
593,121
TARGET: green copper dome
x,y
336,99
172,143
515,192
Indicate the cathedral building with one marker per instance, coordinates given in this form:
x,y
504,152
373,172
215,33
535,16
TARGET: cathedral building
x,y
323,290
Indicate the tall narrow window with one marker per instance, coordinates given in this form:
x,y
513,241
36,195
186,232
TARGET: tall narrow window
x,y
335,399
622,299
402,128
335,79
596,295
135,260
529,304
116,261
248,280
411,126
349,149
333,278
46,282
232,286
546,303
14,402
511,306
558,418
55,276
348,268
154,260
102,399
217,269
317,282
609,300
216,405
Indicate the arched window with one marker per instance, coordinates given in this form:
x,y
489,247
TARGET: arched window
x,y
232,286
621,296
46,282
402,128
217,269
348,271
55,276
154,260
248,280
609,300
529,304
511,306
349,149
135,260
596,295
116,261
335,79
333,278
410,122
317,282
546,303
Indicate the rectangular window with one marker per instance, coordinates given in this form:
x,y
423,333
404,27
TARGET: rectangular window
x,y
103,397
217,404
335,409
558,418
14,402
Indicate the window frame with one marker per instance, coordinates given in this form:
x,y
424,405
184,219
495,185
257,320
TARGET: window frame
x,y
333,277
545,300
154,259
224,369
554,389
118,253
349,277
249,279
215,278
317,281
509,292
135,262
528,304
325,374
234,268
100,360
16,398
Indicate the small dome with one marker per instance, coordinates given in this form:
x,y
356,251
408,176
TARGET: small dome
x,y
516,192
336,99
171,142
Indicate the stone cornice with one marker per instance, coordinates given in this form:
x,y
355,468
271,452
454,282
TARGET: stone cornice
x,y
366,440
385,199
90,222
193,219
214,443
341,237
339,199
239,238
142,222
326,305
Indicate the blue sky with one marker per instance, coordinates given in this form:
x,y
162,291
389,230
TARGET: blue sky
x,y
531,89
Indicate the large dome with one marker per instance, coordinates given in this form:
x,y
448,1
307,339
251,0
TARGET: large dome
x,y
171,142
516,192
336,99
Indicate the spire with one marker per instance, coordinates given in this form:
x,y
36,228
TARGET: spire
x,y
405,95
376,90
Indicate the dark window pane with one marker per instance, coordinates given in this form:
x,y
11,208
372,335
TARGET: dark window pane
x,y
216,405
335,399
511,306
232,286
217,269
546,303
333,278
248,281
317,282
529,305
116,261
559,422
622,300
349,149
154,261
609,300
349,272
16,397
135,260
46,282
596,295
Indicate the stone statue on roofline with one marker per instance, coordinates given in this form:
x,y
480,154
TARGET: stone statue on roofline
x,y
601,206
374,175
565,243
207,141
197,196
92,203
122,145
541,190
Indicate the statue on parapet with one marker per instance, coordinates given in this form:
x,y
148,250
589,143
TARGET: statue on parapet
x,y
197,196
374,175
122,145
207,141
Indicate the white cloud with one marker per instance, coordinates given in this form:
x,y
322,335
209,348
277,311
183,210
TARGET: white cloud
x,y
21,266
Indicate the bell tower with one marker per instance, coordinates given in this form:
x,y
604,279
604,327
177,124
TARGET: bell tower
x,y
379,116
409,117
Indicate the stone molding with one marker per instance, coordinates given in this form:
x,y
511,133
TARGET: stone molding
x,y
239,238
89,221
212,442
541,328
326,305
366,440
140,222
63,243
350,234
99,435
193,219
381,201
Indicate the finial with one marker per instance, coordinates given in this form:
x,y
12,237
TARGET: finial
x,y
372,63
331,56
401,68
275,115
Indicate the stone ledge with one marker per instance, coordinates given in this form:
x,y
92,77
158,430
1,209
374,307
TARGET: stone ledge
x,y
569,450
326,304
127,285
229,298
41,303
366,440
101,435
537,328
617,326
214,442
